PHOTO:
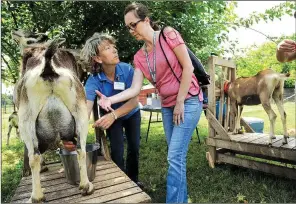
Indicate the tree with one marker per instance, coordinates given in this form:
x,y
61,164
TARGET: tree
x,y
263,57
203,24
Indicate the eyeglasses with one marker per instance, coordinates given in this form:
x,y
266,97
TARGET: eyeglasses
x,y
133,26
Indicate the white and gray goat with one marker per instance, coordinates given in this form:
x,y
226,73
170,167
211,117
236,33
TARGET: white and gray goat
x,y
51,106
259,89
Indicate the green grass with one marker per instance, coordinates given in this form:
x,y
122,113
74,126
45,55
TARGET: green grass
x,y
225,183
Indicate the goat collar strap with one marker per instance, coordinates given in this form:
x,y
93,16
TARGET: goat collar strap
x,y
226,86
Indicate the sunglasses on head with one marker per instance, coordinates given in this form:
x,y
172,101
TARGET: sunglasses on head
x,y
132,26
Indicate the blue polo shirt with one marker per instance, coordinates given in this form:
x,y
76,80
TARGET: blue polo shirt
x,y
123,73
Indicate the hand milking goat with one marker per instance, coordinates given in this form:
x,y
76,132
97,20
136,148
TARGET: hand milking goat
x,y
51,106
261,88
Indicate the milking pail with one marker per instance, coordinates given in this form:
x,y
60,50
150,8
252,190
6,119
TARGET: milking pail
x,y
71,167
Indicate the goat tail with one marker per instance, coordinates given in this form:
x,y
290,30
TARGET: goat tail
x,y
51,50
48,71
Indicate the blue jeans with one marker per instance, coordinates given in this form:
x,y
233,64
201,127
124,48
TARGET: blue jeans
x,y
132,131
178,138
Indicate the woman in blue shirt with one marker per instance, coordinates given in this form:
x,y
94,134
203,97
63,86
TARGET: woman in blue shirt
x,y
110,77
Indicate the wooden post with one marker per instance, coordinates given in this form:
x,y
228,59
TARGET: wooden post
x,y
211,155
232,116
100,135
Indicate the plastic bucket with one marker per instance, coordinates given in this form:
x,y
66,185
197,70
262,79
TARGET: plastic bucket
x,y
71,167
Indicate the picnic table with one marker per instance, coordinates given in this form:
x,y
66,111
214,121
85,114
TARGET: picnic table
x,y
157,109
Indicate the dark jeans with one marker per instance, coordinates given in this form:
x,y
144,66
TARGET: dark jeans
x,y
132,132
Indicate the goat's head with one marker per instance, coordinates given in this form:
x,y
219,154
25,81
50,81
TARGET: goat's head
x,y
50,54
25,38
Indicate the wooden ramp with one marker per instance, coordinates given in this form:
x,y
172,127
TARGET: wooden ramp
x,y
111,185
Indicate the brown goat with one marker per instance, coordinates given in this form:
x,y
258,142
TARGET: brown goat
x,y
258,89
51,106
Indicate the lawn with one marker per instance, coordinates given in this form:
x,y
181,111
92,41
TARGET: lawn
x,y
225,183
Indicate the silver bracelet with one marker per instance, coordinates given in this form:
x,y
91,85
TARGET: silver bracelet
x,y
114,115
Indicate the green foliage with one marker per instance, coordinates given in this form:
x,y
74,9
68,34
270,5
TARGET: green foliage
x,y
6,99
203,24
259,58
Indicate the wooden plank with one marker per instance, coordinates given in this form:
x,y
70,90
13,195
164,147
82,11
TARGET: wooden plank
x,y
136,198
222,62
55,169
232,103
103,192
260,156
113,175
64,186
256,165
45,178
212,108
261,141
226,122
115,195
217,126
74,190
221,103
253,148
252,137
239,137
273,140
278,143
291,143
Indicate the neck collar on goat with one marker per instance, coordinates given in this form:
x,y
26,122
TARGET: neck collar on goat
x,y
226,86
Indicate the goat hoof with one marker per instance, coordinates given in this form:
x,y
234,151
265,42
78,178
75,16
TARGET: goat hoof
x,y
87,189
36,200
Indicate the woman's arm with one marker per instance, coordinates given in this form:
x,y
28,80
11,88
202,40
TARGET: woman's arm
x,y
133,91
90,105
107,120
185,61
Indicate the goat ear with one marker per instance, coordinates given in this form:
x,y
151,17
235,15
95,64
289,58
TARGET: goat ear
x,y
42,37
60,41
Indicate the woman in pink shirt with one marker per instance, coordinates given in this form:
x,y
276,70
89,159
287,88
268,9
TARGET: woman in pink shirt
x,y
181,101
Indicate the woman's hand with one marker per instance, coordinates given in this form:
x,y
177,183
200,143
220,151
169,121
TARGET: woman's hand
x,y
178,116
287,46
105,122
69,146
104,102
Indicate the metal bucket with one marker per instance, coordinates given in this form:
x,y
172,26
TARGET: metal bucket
x,y
71,167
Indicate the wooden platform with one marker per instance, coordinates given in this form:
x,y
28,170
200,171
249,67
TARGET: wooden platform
x,y
111,185
256,145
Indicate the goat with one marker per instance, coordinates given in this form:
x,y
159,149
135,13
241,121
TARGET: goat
x,y
52,106
13,123
258,89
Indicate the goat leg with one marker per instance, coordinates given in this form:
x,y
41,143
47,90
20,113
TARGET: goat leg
x,y
280,106
237,121
82,130
35,164
8,134
272,116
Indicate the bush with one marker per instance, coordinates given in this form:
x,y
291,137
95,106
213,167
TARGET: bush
x,y
289,83
10,180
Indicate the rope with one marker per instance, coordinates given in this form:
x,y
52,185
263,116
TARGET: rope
x,y
289,97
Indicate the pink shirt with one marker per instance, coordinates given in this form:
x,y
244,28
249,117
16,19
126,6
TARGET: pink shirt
x,y
166,82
